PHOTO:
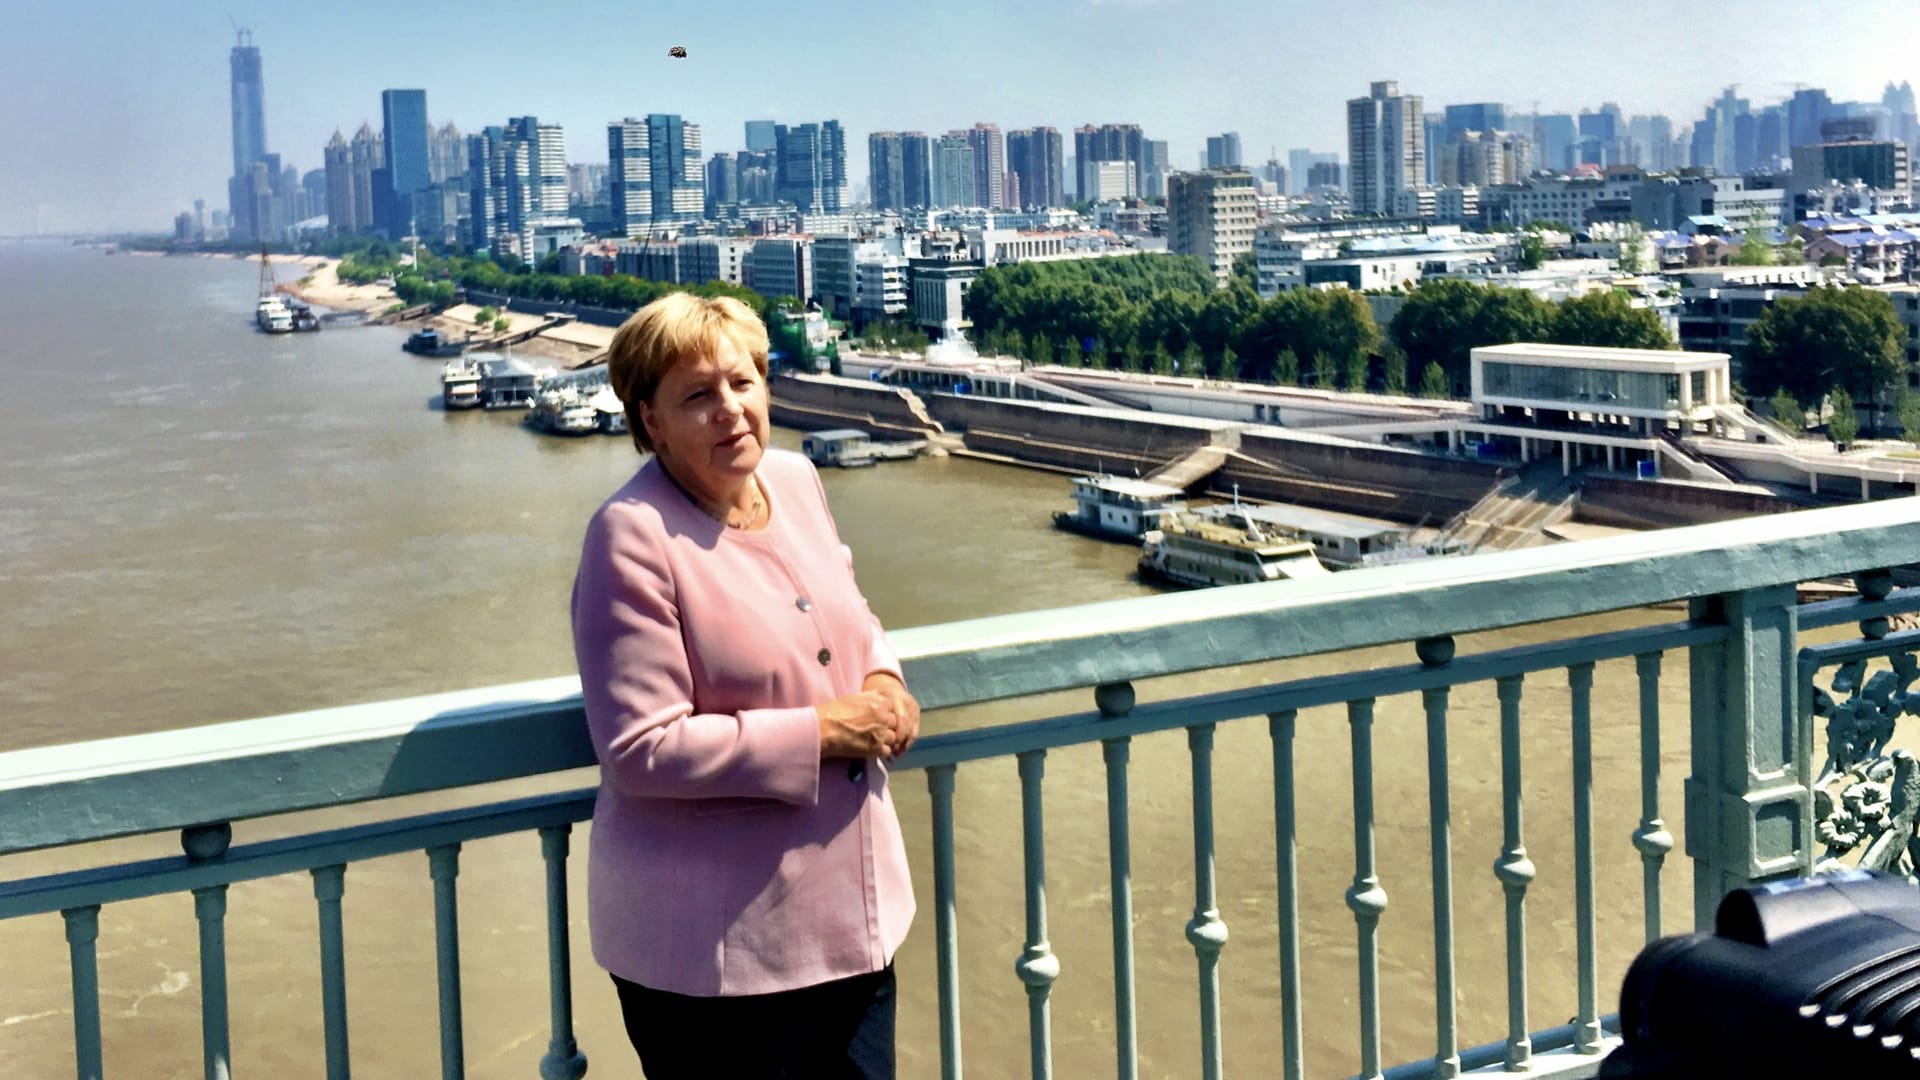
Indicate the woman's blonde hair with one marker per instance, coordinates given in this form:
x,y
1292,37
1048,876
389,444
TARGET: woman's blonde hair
x,y
667,331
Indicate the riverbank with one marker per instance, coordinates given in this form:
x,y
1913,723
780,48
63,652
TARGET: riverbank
x,y
320,285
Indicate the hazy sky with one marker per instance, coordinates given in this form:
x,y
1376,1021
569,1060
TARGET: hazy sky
x,y
116,113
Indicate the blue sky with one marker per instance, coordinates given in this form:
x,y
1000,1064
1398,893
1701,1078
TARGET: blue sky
x,y
117,112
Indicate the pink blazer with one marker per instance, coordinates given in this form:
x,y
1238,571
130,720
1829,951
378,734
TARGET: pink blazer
x,y
725,857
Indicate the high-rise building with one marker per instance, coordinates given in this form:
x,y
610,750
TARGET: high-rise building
x,y
1434,126
1554,136
1326,174
759,172
916,170
1386,147
1035,154
314,183
1111,142
761,135
247,88
404,131
812,166
486,185
678,177
1211,215
723,183
1483,158
1223,151
1300,165
1721,140
446,153
887,170
989,165
630,176
339,169
952,178
551,163
1882,166
1806,109
1600,134
1476,116
1155,166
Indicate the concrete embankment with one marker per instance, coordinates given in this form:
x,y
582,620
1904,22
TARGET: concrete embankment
x,y
1643,504
1267,463
815,402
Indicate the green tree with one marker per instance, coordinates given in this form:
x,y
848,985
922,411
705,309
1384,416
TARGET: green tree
x,y
1632,244
1097,356
501,324
1313,372
1162,360
1533,250
1040,349
1831,336
1444,320
1843,424
1608,319
1191,363
1229,364
1909,412
1393,368
1353,373
1788,412
1433,382
1244,269
1755,249
1286,368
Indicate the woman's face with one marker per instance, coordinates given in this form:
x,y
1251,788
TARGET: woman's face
x,y
708,419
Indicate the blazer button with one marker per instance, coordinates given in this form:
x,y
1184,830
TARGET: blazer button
x,y
857,770
826,657
803,603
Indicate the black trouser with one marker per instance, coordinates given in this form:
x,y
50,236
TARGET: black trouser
x,y
841,1030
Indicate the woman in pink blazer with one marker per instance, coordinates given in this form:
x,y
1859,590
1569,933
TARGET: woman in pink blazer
x,y
747,885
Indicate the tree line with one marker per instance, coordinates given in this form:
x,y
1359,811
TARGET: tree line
x,y
1162,313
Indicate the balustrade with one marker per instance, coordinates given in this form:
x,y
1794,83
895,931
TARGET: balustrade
x,y
1755,806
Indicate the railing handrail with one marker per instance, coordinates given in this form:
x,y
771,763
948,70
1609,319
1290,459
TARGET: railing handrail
x,y
136,784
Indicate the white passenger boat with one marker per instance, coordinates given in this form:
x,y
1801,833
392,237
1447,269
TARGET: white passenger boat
x,y
1188,549
460,384
273,315
1118,508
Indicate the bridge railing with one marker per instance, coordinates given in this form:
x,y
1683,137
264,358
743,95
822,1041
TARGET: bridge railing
x,y
1749,810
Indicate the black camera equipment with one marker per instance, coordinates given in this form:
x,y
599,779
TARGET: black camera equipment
x,y
1815,977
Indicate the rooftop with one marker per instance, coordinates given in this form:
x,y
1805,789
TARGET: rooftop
x,y
1666,360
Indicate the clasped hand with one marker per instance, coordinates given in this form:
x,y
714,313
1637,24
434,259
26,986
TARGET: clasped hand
x,y
881,721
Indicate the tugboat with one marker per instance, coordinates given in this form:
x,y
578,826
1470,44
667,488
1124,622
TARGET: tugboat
x,y
432,344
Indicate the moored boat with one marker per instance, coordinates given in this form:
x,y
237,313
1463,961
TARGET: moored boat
x,y
460,384
1188,549
1118,508
273,316
431,343
851,448
612,415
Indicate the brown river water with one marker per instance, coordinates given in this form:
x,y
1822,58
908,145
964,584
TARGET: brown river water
x,y
199,523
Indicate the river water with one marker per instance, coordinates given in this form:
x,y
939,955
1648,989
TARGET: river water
x,y
199,523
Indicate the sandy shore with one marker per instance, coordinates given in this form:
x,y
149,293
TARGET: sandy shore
x,y
571,345
321,286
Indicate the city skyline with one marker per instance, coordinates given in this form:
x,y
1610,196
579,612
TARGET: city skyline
x,y
149,130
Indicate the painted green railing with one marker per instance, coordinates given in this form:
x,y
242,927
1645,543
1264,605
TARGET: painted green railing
x,y
1749,815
